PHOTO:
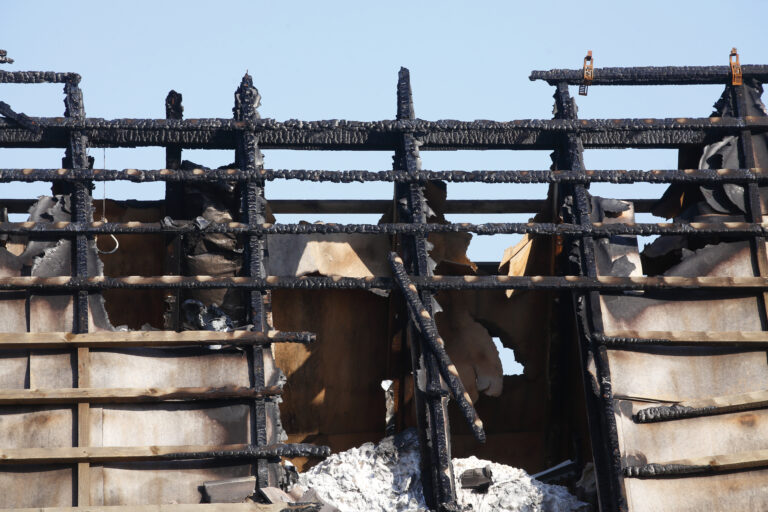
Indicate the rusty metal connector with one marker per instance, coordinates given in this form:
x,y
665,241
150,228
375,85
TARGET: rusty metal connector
x,y
737,78
589,73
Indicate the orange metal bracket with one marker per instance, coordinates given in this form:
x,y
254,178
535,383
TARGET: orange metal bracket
x,y
736,76
589,73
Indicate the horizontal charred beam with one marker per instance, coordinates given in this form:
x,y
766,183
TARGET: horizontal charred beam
x,y
117,339
704,407
700,465
651,75
692,338
131,395
38,77
369,205
213,133
597,229
156,453
436,283
705,176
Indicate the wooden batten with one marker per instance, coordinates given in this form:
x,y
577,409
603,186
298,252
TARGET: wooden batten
x,y
129,395
112,339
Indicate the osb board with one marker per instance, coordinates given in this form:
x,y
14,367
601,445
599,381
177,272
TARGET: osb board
x,y
36,486
643,443
169,424
144,483
739,491
683,373
645,313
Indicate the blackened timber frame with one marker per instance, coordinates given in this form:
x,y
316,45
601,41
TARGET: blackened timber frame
x,y
405,135
598,392
77,156
253,207
429,394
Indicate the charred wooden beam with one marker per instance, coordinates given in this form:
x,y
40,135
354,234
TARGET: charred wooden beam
x,y
76,156
704,407
157,453
700,465
38,77
21,119
598,392
131,395
431,404
426,325
214,133
249,159
703,176
70,229
118,339
173,207
608,284
651,75
695,338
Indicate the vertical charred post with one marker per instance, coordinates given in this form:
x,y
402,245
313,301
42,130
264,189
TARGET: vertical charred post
x,y
248,158
429,394
174,208
599,396
76,157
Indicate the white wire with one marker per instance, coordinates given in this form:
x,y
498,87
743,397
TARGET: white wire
x,y
104,207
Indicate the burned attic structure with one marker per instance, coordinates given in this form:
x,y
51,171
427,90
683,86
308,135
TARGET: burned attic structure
x,y
216,343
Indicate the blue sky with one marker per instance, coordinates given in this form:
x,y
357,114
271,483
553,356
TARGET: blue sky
x,y
325,60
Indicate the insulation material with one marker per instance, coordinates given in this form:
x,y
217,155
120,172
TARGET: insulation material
x,y
385,477
346,255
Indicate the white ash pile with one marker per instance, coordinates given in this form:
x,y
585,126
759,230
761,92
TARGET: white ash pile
x,y
385,477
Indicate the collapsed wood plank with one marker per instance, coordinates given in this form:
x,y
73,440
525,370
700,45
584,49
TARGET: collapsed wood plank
x,y
426,325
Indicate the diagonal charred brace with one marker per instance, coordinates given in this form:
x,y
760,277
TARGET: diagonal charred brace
x,y
21,119
428,329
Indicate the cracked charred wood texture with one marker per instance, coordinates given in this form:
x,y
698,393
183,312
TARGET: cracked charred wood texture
x,y
249,159
433,284
651,75
605,448
384,135
77,157
174,198
67,229
203,174
429,395
428,329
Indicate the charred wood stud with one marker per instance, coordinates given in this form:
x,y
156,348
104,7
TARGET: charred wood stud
x,y
431,404
599,401
249,159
